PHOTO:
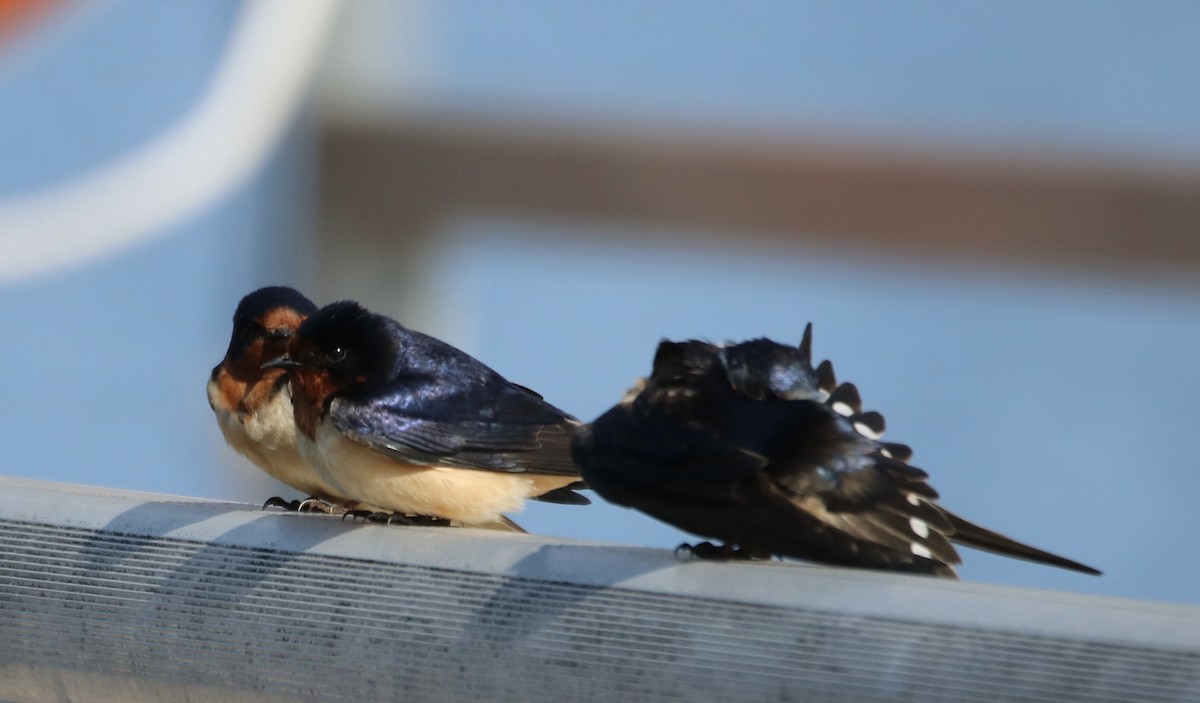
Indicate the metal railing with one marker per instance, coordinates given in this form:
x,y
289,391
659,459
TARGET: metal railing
x,y
117,596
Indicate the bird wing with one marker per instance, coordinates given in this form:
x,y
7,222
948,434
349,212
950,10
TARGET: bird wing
x,y
824,454
873,499
829,464
496,426
658,439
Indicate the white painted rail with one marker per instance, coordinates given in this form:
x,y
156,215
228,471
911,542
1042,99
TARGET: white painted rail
x,y
118,596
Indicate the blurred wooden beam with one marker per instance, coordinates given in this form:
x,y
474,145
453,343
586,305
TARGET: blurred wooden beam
x,y
1107,213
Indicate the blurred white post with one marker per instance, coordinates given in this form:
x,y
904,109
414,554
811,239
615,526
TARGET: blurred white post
x,y
116,596
253,97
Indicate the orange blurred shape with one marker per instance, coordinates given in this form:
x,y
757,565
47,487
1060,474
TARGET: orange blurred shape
x,y
16,15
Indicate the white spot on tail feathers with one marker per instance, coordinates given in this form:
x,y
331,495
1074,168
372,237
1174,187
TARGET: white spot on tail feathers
x,y
919,526
866,431
912,498
886,453
921,550
842,409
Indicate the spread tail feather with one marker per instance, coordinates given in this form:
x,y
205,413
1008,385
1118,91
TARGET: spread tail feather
x,y
973,535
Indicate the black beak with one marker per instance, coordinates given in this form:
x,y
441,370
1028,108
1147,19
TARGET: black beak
x,y
283,362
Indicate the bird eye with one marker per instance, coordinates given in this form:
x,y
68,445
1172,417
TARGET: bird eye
x,y
336,356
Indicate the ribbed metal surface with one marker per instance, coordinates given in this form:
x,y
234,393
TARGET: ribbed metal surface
x,y
114,615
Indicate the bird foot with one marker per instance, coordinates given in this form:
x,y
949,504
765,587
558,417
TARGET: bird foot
x,y
292,506
308,505
710,551
316,505
396,518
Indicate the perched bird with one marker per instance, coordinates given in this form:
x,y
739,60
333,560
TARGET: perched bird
x,y
253,405
750,445
399,420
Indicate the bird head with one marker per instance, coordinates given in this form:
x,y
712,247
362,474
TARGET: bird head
x,y
263,324
342,342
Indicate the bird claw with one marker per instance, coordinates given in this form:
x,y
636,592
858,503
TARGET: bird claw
x,y
364,515
395,518
292,506
712,552
316,505
427,521
308,505
685,552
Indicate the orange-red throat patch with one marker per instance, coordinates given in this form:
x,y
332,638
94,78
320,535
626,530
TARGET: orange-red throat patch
x,y
311,389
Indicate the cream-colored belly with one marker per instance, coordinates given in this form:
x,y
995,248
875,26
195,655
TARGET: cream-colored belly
x,y
268,438
469,496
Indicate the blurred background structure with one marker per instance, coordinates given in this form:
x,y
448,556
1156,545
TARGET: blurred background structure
x,y
991,213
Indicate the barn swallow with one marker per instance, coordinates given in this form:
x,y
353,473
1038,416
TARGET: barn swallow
x,y
253,405
750,445
397,419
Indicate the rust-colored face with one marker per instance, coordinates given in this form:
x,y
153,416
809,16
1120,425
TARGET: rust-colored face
x,y
280,324
268,340
241,381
